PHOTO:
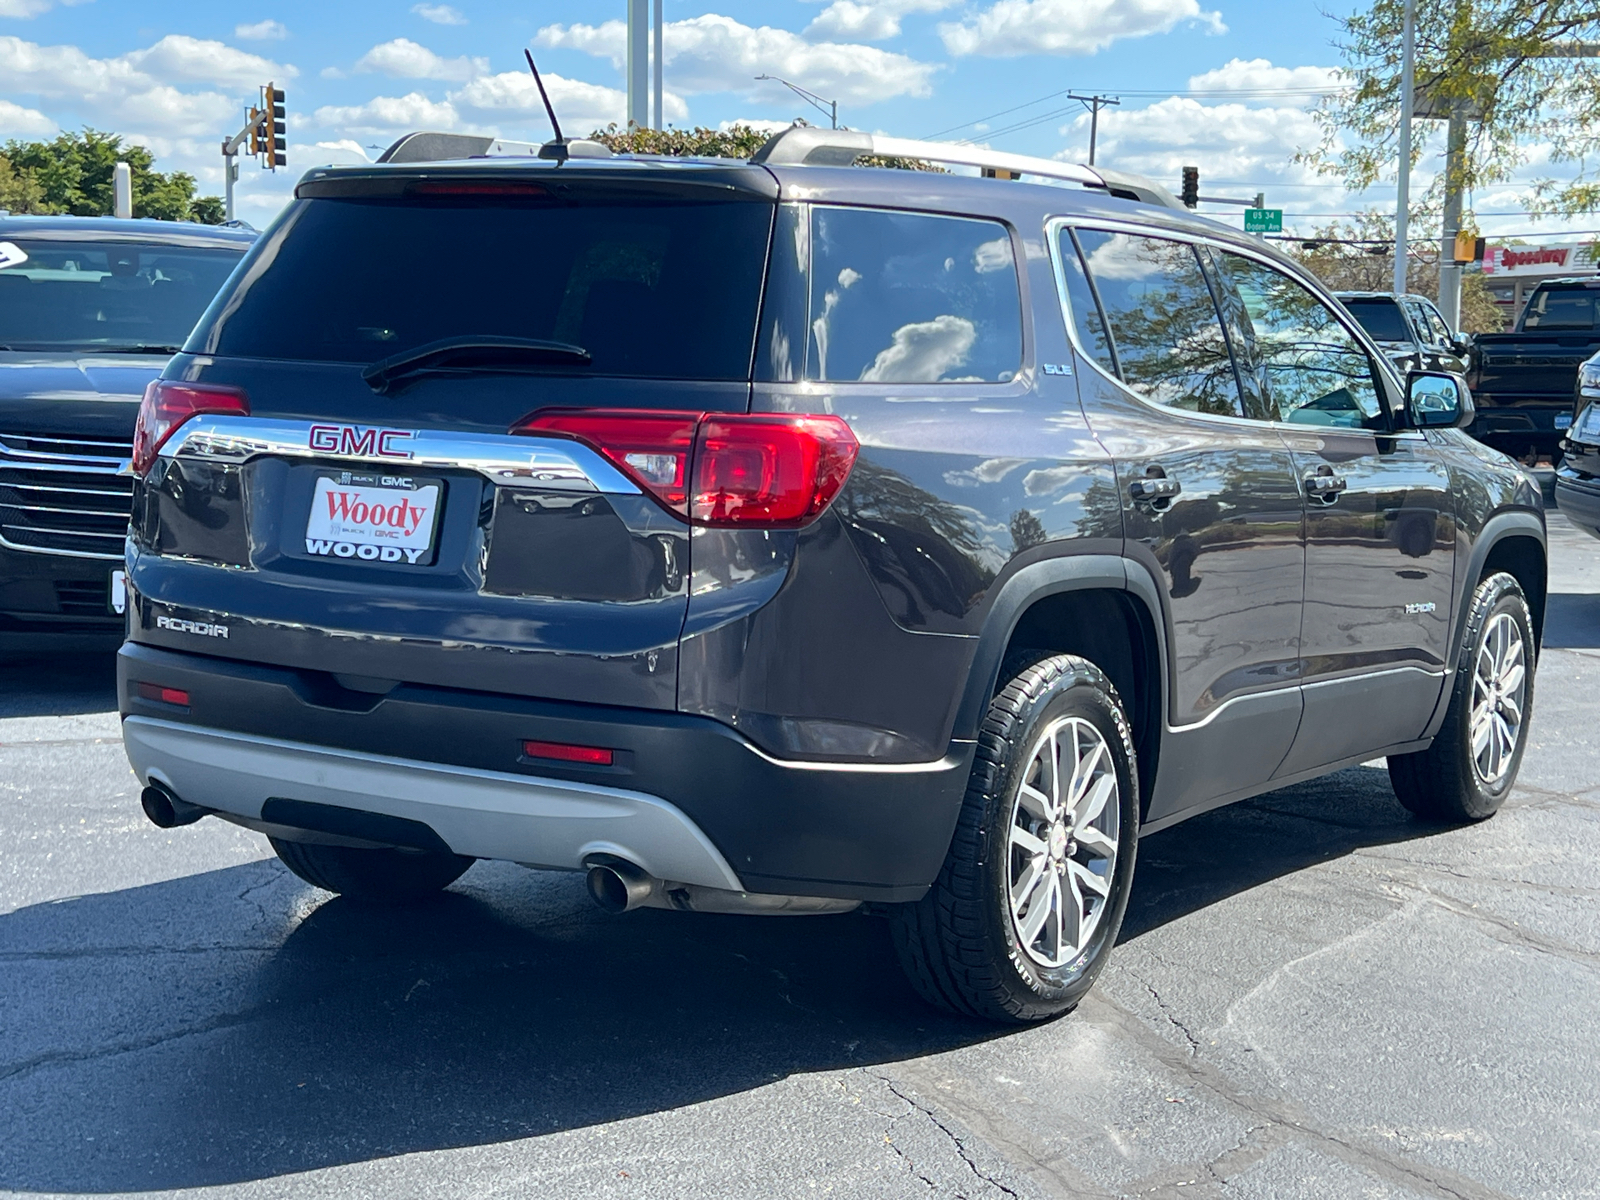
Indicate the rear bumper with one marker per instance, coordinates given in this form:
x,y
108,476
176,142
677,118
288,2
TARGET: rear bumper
x,y
482,814
452,760
1523,419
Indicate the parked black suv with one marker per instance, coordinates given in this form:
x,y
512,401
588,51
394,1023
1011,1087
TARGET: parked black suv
x,y
1409,329
1578,475
91,309
774,537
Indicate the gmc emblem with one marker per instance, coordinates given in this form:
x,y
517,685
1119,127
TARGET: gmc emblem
x,y
354,441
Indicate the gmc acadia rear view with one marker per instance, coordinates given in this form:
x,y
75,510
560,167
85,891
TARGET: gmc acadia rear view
x,y
775,537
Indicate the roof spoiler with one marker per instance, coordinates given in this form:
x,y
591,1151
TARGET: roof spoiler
x,y
428,146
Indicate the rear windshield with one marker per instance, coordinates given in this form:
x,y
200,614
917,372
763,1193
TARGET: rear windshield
x,y
1561,308
105,296
1382,319
663,289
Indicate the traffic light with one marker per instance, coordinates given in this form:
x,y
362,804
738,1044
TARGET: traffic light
x,y
1191,186
255,131
274,143
1469,248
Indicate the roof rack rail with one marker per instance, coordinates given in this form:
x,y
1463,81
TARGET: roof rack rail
x,y
807,145
429,146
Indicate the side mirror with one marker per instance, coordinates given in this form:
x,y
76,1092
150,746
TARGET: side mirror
x,y
1460,344
1438,400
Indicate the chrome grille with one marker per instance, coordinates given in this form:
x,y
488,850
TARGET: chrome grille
x,y
62,495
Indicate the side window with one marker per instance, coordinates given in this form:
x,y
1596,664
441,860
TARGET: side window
x,y
1164,325
1253,389
1086,319
1440,329
1315,371
912,298
1427,334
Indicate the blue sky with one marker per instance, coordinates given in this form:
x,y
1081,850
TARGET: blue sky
x,y
1226,87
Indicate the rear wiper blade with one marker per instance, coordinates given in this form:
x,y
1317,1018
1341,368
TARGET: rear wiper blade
x,y
473,352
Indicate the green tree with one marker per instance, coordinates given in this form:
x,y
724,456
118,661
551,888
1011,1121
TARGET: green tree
x,y
73,175
1514,64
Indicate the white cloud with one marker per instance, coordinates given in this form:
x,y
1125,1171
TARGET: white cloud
x,y
1242,149
581,107
194,60
872,21
16,121
923,350
390,114
261,31
23,9
1306,84
713,53
439,14
1015,27
404,59
345,150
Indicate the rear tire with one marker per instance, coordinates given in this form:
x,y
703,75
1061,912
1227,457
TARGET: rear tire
x,y
1033,890
1470,768
375,876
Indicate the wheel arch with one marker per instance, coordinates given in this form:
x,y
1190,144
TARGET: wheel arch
x,y
1101,606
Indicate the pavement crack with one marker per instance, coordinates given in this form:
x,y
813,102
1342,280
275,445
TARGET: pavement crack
x,y
951,1135
60,1058
1166,1011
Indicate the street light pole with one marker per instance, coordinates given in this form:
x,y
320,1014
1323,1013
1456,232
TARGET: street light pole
x,y
831,107
1408,84
661,117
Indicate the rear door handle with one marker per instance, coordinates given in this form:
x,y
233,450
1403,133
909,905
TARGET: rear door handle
x,y
1150,490
1325,487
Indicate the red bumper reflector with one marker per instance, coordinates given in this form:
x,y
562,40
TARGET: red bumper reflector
x,y
591,756
166,695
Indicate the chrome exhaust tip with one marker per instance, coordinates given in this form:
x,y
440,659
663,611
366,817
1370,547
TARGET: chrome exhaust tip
x,y
166,811
618,887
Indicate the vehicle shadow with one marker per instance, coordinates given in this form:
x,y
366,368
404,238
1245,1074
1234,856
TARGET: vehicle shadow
x,y
1572,621
1231,850
233,1025
58,685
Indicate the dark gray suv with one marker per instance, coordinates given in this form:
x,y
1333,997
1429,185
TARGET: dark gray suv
x,y
786,536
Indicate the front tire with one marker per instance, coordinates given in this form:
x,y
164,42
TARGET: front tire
x,y
1470,768
375,876
1033,890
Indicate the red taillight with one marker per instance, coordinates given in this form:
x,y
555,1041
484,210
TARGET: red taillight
x,y
775,472
763,470
166,695
168,403
593,756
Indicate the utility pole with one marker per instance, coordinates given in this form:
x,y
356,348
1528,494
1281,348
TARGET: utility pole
x,y
1455,165
1094,104
661,116
1408,99
639,64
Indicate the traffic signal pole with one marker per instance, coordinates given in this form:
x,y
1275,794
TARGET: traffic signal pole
x,y
265,131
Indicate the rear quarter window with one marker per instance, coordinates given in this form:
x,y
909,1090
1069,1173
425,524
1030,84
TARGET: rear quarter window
x,y
911,298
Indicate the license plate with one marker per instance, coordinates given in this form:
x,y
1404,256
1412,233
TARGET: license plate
x,y
1563,420
119,591
373,518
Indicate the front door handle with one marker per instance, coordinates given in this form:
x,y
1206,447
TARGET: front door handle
x,y
1153,490
1325,487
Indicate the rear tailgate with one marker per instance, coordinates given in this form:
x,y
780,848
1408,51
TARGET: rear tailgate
x,y
1536,367
366,535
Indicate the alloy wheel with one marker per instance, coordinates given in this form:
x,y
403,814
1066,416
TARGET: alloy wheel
x,y
1062,841
1499,697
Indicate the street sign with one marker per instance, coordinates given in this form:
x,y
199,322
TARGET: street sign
x,y
1263,220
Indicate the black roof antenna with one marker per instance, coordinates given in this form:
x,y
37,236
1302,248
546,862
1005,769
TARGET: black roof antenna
x,y
558,148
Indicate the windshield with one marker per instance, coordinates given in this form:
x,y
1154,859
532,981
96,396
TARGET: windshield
x,y
1382,319
1561,308
105,296
666,289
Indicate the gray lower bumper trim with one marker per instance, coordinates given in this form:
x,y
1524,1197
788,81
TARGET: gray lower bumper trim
x,y
485,814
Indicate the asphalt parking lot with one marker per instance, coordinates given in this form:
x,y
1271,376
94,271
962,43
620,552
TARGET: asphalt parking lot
x,y
1314,996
